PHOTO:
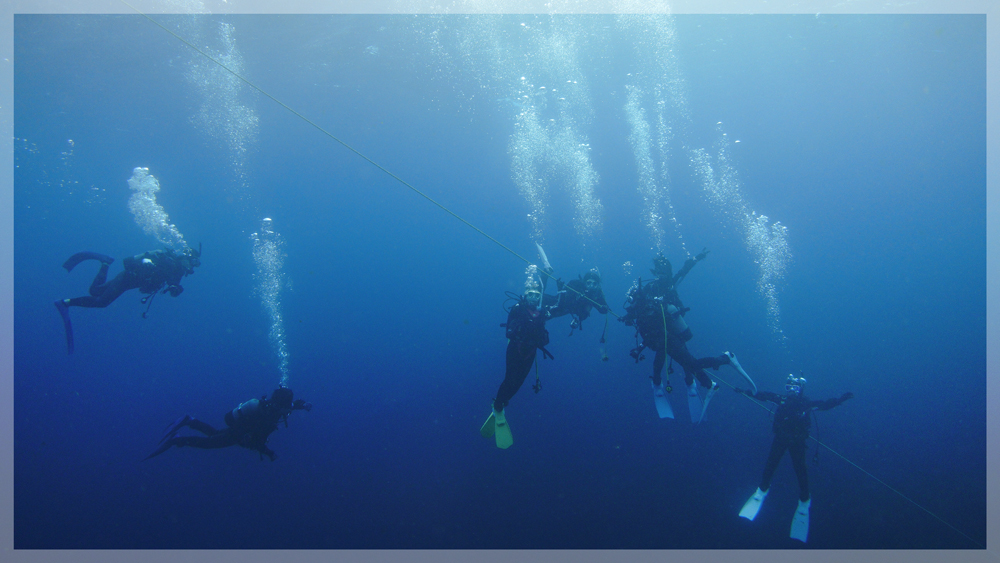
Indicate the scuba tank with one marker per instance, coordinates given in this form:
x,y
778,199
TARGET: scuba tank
x,y
676,325
243,412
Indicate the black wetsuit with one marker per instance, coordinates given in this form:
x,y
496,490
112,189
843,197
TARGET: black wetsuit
x,y
248,428
647,313
526,334
575,299
791,428
165,269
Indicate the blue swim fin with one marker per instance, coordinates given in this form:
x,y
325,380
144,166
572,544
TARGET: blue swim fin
x,y
64,311
175,426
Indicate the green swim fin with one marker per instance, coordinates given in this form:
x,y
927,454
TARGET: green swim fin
x,y
489,427
502,431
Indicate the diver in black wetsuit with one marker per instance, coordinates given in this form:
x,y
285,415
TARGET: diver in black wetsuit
x,y
791,428
248,425
656,311
577,297
526,334
148,272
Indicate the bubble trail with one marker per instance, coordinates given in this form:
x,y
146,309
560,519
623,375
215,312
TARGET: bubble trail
x,y
656,103
766,242
222,114
148,213
269,256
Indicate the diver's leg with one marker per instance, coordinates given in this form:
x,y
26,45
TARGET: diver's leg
x,y
797,451
778,448
658,361
693,368
518,365
712,362
203,427
103,295
99,280
222,439
702,378
679,352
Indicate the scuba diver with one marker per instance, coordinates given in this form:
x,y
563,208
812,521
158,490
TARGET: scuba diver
x,y
248,425
791,428
526,334
657,312
576,297
148,272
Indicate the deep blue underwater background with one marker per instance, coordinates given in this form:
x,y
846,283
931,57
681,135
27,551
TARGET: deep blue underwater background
x,y
863,135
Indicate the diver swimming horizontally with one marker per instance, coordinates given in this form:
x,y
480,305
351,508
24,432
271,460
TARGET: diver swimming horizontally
x,y
248,425
148,272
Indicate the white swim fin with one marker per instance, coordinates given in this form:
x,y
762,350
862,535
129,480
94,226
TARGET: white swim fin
x,y
660,400
800,522
752,506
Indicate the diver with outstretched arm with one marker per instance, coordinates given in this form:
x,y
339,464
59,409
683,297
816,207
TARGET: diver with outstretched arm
x,y
655,309
791,428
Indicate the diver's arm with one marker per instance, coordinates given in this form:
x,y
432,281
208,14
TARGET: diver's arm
x,y
830,403
602,303
688,264
761,395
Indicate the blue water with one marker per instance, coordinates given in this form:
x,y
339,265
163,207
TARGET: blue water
x,y
863,136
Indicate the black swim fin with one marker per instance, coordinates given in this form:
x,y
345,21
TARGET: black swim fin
x,y
64,311
75,259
